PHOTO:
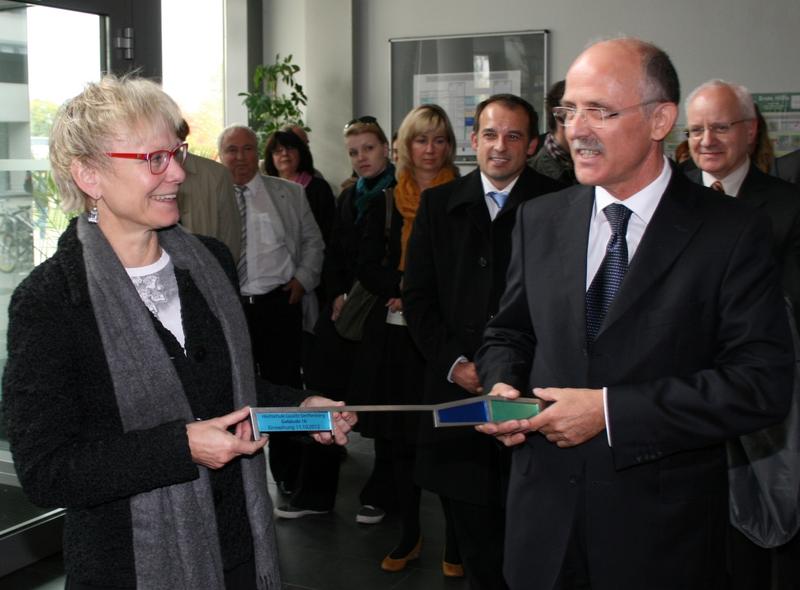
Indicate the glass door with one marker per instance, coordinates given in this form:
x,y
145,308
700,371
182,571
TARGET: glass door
x,y
48,52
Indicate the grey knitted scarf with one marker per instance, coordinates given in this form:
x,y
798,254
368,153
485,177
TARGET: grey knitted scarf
x,y
175,540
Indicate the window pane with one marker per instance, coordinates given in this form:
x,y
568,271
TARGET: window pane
x,y
192,65
36,80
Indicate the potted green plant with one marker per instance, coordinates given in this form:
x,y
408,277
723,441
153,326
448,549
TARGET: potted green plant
x,y
269,111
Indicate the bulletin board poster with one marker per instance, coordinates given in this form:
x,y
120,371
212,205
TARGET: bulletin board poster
x,y
781,111
458,72
459,94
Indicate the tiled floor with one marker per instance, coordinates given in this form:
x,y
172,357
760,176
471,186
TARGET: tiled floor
x,y
326,552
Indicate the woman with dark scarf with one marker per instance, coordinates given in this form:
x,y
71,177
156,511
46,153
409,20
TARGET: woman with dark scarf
x,y
130,373
390,366
333,357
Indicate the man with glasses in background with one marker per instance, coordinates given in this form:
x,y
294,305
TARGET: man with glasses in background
x,y
721,129
646,312
281,258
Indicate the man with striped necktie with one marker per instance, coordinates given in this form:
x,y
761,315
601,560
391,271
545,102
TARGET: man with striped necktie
x,y
282,252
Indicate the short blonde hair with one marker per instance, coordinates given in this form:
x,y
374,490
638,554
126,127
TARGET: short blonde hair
x,y
423,119
86,125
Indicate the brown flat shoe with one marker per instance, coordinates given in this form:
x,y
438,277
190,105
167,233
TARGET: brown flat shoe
x,y
452,570
390,564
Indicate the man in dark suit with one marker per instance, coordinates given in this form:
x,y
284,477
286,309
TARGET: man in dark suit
x,y
457,259
646,312
721,128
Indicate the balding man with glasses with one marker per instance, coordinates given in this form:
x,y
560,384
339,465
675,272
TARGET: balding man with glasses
x,y
721,129
646,312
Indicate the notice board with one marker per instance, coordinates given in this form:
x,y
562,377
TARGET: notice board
x,y
459,71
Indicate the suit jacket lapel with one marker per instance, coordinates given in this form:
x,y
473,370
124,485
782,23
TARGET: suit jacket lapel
x,y
572,233
517,195
752,188
669,231
470,194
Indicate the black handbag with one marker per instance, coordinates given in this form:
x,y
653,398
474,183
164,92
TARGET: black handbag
x,y
350,323
764,473
359,301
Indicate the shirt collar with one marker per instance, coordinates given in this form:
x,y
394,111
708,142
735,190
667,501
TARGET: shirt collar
x,y
489,187
644,203
732,182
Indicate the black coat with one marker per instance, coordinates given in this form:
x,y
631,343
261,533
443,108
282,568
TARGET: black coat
x,y
341,251
788,167
388,367
64,426
457,260
780,201
323,205
329,364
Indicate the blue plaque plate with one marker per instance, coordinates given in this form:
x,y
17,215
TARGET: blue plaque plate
x,y
486,408
476,412
308,421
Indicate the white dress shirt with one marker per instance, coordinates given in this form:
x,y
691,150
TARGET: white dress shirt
x,y
642,204
488,187
732,183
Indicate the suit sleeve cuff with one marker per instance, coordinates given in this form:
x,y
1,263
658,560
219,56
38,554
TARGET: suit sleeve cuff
x,y
459,360
605,413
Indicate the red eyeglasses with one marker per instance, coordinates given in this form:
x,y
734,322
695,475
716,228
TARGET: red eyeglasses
x,y
159,159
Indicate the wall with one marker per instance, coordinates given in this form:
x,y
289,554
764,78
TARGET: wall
x,y
753,43
236,77
343,45
319,35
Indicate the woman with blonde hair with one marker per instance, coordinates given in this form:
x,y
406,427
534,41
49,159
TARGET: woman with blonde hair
x,y
391,367
130,373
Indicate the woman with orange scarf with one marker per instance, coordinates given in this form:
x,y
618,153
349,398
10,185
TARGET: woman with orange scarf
x,y
390,367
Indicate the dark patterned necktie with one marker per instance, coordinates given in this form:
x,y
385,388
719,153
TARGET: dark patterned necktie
x,y
241,201
611,272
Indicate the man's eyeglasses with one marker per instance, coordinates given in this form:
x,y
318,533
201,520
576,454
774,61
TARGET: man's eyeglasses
x,y
697,131
158,160
595,117
367,120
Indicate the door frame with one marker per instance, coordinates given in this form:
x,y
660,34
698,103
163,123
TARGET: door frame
x,y
143,17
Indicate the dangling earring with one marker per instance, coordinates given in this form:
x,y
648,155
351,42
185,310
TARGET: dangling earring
x,y
93,215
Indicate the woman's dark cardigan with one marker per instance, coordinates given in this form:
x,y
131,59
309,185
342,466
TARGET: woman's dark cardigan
x,y
65,429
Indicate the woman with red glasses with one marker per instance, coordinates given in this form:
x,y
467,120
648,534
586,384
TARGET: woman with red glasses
x,y
129,372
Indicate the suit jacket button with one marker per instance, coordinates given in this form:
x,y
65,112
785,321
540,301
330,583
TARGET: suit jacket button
x,y
573,480
482,262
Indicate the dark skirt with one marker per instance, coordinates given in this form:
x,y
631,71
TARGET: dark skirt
x,y
388,370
